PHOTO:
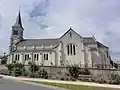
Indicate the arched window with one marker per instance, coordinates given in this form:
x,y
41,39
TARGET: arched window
x,y
15,32
36,56
46,56
74,51
26,57
71,49
17,57
68,51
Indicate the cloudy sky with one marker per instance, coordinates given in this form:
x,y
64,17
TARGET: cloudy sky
x,y
51,18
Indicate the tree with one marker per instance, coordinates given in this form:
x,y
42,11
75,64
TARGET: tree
x,y
115,79
16,69
33,67
4,59
74,70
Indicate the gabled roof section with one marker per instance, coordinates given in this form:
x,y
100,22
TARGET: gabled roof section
x,y
1,57
89,40
37,42
18,21
101,45
70,29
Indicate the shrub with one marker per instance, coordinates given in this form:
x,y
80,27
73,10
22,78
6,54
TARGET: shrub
x,y
61,78
115,79
10,68
33,67
15,69
86,72
44,74
74,71
25,73
40,74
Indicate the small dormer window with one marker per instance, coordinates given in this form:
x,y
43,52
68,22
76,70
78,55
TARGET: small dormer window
x,y
15,32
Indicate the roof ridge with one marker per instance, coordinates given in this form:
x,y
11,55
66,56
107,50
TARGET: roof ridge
x,y
41,38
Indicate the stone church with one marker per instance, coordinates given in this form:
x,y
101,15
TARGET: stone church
x,y
69,49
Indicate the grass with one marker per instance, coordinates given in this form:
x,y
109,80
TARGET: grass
x,y
73,87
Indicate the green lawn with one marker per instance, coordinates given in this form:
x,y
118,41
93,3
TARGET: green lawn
x,y
73,87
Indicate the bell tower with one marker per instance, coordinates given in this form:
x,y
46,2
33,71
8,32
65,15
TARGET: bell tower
x,y
17,33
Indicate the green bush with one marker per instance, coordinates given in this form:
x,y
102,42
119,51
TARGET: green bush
x,y
61,78
115,79
75,71
34,71
10,68
15,69
39,74
86,72
25,73
33,67
44,74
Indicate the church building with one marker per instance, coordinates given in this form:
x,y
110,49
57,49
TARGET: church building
x,y
69,49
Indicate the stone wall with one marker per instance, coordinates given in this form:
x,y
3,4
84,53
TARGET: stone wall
x,y
3,70
58,72
104,74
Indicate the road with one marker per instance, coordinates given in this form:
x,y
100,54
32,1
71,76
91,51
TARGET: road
x,y
14,85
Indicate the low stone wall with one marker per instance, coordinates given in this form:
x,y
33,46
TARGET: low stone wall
x,y
104,74
59,72
99,73
56,72
95,71
4,70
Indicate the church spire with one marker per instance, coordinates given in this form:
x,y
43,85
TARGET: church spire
x,y
18,20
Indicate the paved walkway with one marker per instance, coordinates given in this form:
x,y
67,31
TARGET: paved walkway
x,y
7,84
66,82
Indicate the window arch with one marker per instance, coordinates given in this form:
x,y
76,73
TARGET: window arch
x,y
17,57
71,49
36,56
26,57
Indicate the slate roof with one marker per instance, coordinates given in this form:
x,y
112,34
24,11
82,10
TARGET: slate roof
x,y
101,45
18,21
38,42
1,57
89,40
